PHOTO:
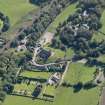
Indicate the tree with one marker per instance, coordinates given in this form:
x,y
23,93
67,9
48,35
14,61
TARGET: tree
x,y
14,43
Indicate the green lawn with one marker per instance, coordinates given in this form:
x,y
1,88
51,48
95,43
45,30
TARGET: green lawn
x,y
78,73
24,86
69,53
62,17
31,74
57,53
84,97
15,9
49,90
65,96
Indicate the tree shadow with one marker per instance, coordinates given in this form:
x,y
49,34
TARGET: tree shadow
x,y
77,87
101,32
67,85
39,2
89,85
13,94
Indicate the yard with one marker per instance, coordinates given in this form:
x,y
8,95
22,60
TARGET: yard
x,y
30,74
49,90
23,86
56,53
79,73
27,86
66,96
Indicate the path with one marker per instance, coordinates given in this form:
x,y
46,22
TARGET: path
x,y
102,97
65,72
46,38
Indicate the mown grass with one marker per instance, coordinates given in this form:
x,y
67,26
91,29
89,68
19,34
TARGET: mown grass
x,y
31,74
78,73
15,9
57,53
49,90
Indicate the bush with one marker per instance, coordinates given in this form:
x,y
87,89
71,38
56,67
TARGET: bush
x,y
6,22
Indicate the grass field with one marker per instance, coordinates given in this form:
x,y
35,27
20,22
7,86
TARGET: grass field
x,y
78,73
15,9
66,96
84,97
